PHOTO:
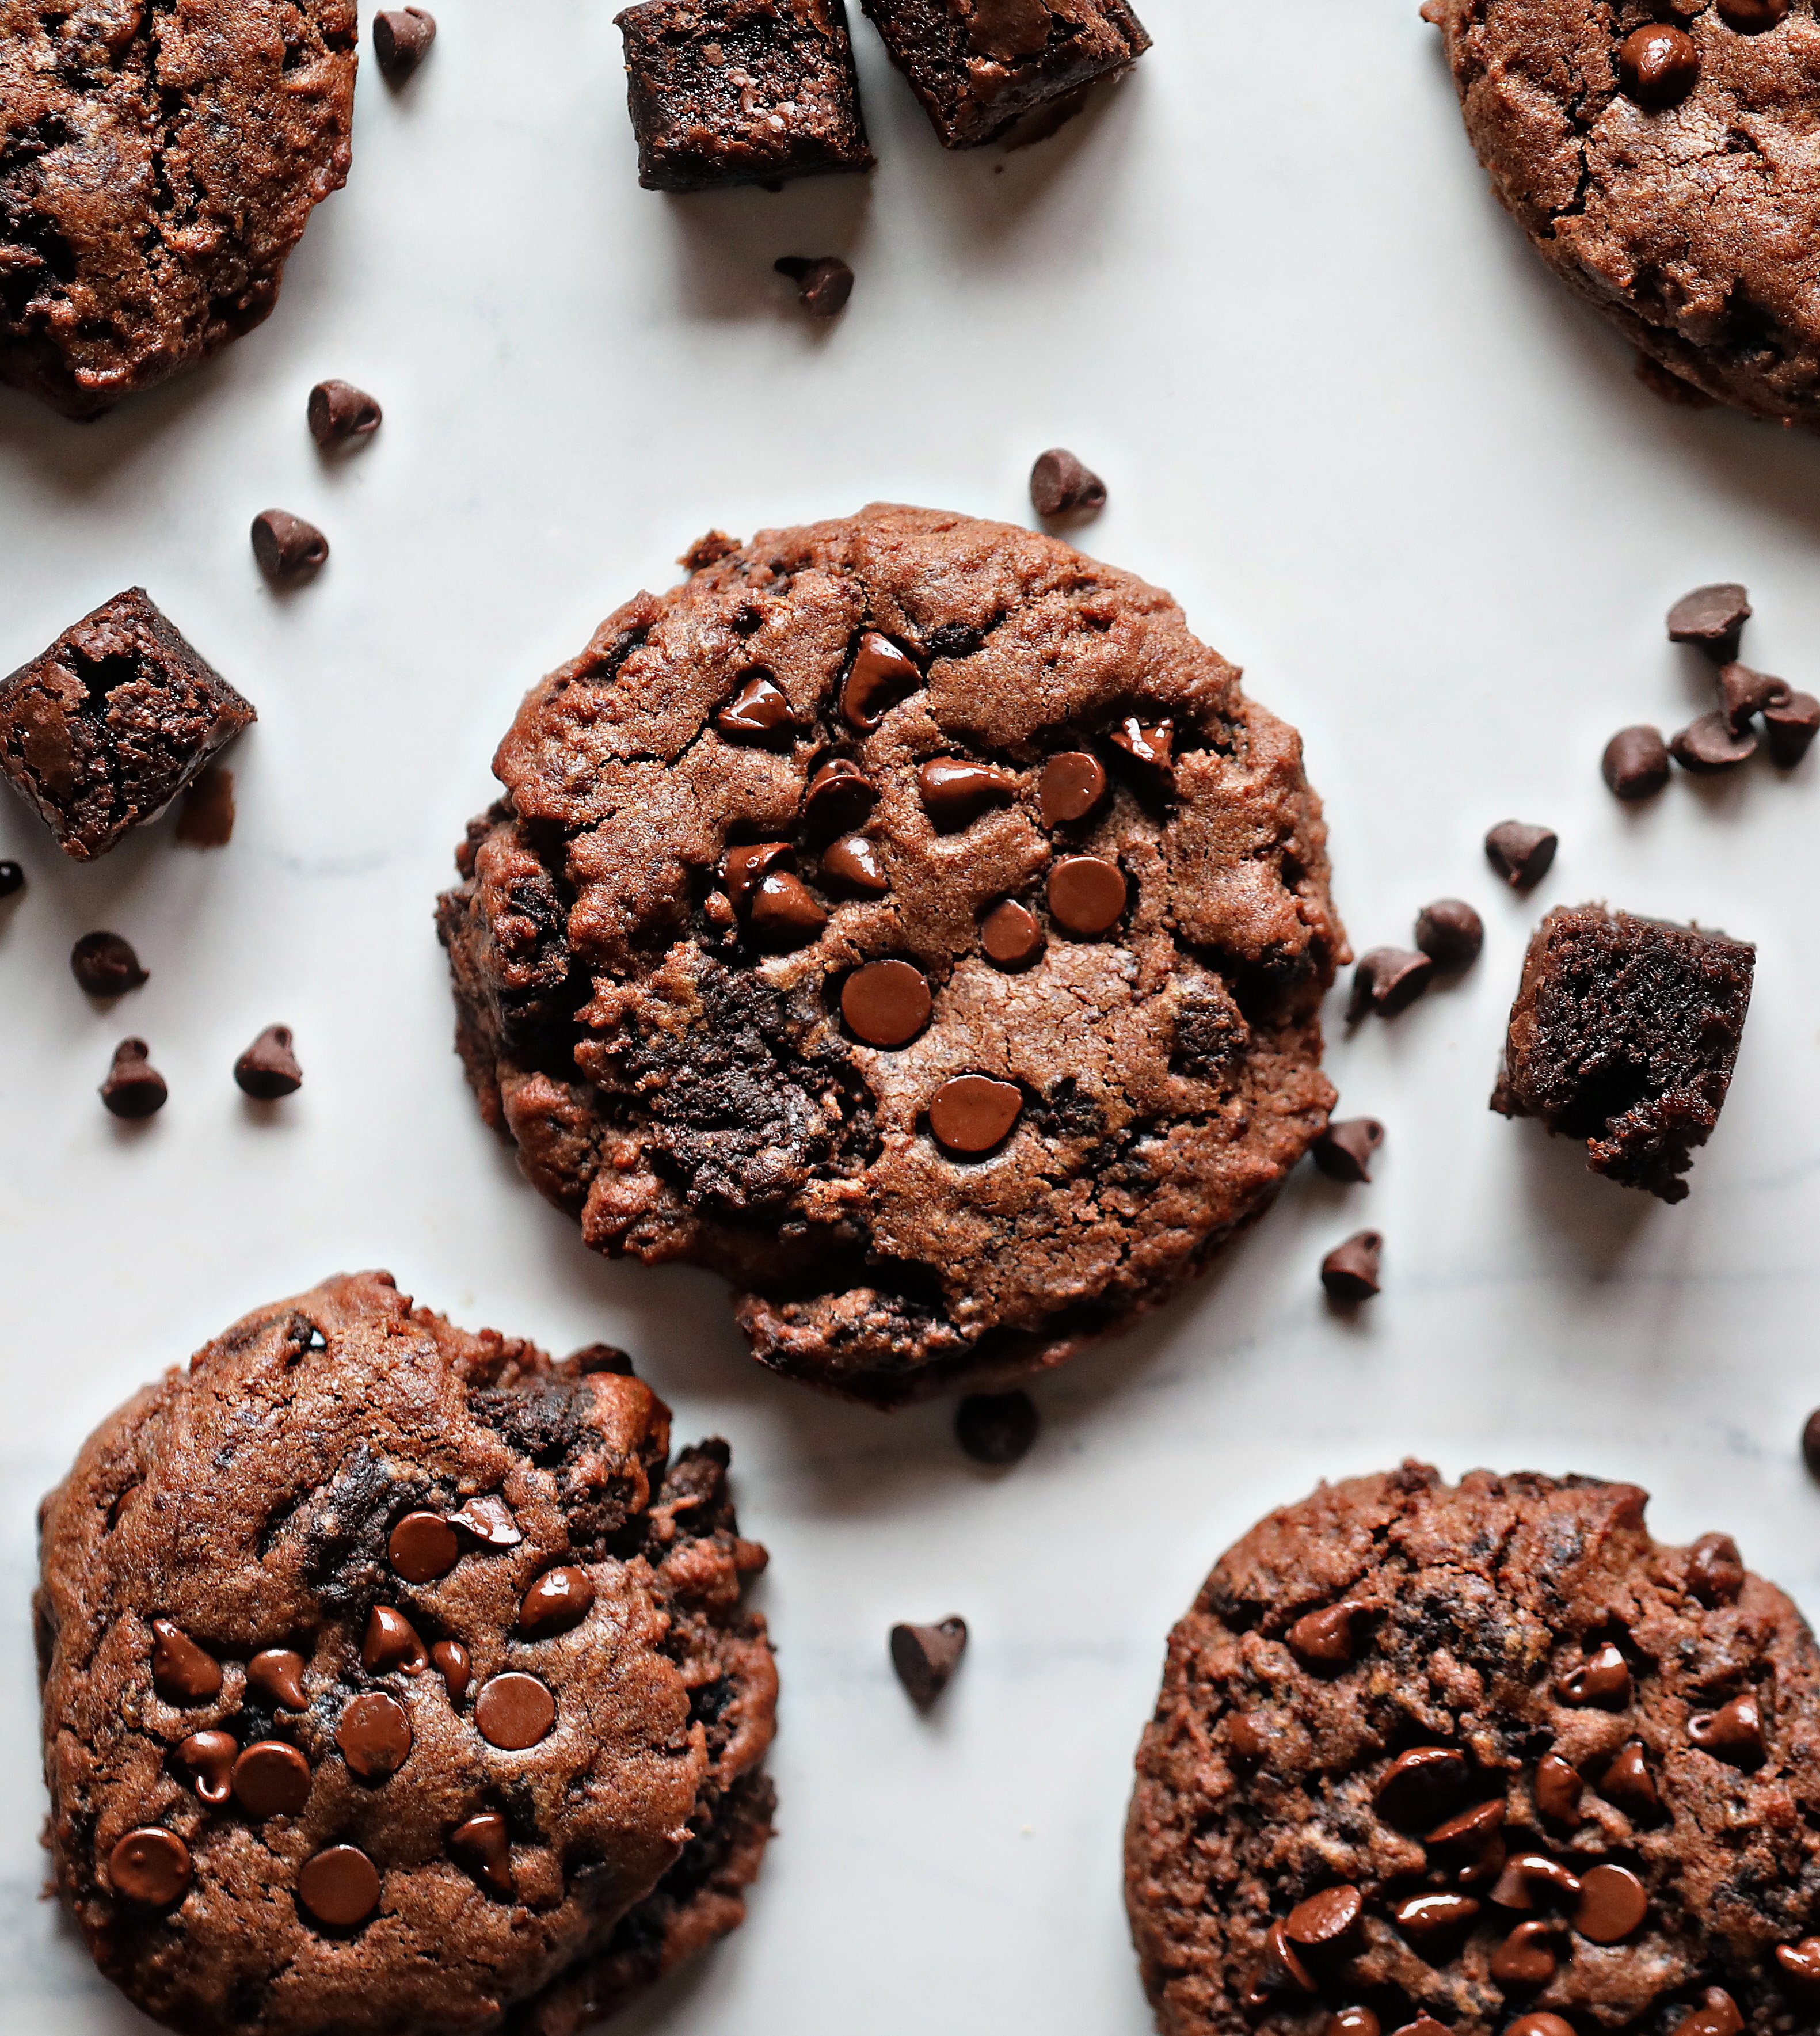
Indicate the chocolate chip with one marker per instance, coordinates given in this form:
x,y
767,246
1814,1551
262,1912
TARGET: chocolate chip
x,y
209,1757
340,1887
1801,1962
1709,744
1152,744
824,282
1719,2017
1343,1150
1715,1569
1421,1786
1471,1833
742,869
375,1735
1520,853
561,1599
996,1428
339,412
1354,2022
134,1088
1450,933
1745,692
1072,784
881,676
12,878
1525,1872
926,1656
1635,764
1711,617
1657,65
1060,486
489,1519
484,1847
287,547
1086,895
1790,727
782,912
1246,1736
514,1711
1753,17
1612,1904
401,40
592,1358
1423,2025
1389,980
886,1003
1733,1733
852,864
271,1779
1324,1918
1325,1638
1426,1917
840,797
277,1674
972,1114
756,712
422,1548
1541,2025
1011,934
954,794
1349,1271
105,965
1604,1678
1526,1958
150,1866
1557,1789
1629,1783
182,1672
453,1664
391,1642
269,1070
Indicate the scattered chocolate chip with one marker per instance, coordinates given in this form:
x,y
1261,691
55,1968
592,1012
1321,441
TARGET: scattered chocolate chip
x,y
340,1887
206,817
401,40
1427,1917
1086,895
1527,1956
1753,17
996,1428
422,1548
105,965
972,1114
391,1642
561,1599
1715,1569
209,1756
1520,853
1072,784
840,797
514,1711
1709,745
782,912
269,1070
1613,1905
453,1664
1635,764
1791,727
926,1656
484,1847
955,793
1011,934
1324,1918
1711,617
1541,2025
1325,1638
489,1519
1389,980
1745,692
339,412
1657,65
886,1003
1421,1786
1718,2017
287,547
1557,1789
1801,1962
1349,1271
1354,2022
1152,744
277,1674
271,1779
375,1735
150,1866
1733,1733
1060,486
12,878
182,1672
881,676
1811,1444
852,863
1525,1872
1450,933
1629,1783
1604,1678
756,711
134,1088
1343,1150
824,282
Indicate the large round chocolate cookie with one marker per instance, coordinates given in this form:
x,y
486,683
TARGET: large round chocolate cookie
x,y
394,1682
1480,1760
1662,160
907,917
157,164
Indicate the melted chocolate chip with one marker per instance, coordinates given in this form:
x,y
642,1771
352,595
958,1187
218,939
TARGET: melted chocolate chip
x,y
1354,2022
1423,2025
1349,1271
559,1599
1629,1783
1791,728
287,547
1525,1872
1011,935
1072,785
839,799
340,1887
782,913
1718,2016
996,1428
401,40
1613,1905
1753,17
134,1088
209,1757
1541,2025
1086,895
1421,1787
277,1674
926,1656
1635,764
422,1547
269,1070
391,1642
182,1672
489,1518
825,282
1474,1837
1734,1733
1282,1972
514,1711
1603,1679
1343,1150
1325,1638
881,676
1711,616
271,1779
375,1735
1521,852
1425,1917
886,1003
338,412
453,1664
973,1113
1658,66
1324,1918
1450,933
1151,744
1557,1789
1801,1962
105,965
1715,1569
1709,745
1389,980
484,1847
1246,1736
955,792
1060,486
150,1866
1527,1957
756,712
852,864
743,868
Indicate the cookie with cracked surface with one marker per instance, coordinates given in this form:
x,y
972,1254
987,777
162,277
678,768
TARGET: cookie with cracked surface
x,y
907,917
397,1678
157,164
1660,161
1484,1755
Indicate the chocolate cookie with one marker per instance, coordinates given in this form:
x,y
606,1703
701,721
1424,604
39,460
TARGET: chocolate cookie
x,y
157,164
1482,1756
1661,160
394,1681
908,917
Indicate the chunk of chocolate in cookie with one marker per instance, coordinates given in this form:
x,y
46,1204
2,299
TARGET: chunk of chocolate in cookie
x,y
741,91
1624,1033
103,731
979,70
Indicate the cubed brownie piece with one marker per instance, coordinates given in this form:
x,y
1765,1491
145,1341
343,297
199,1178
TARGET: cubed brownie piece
x,y
980,65
104,730
741,91
1624,1033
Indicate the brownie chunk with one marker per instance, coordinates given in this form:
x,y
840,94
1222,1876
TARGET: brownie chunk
x,y
980,65
741,91
1624,1033
104,730
157,165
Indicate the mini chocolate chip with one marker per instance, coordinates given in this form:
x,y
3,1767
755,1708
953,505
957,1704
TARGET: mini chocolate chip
x,y
1450,933
996,1428
269,1070
1657,65
489,1518
277,1674
1635,764
1151,744
955,792
105,965
12,878
484,1847
886,1003
1790,727
150,1866
926,1656
1733,1733
1718,2017
561,1599
209,1756
422,1548
1613,1904
882,675
1421,1786
401,40
782,912
339,412
1541,2024
1526,1958
287,547
134,1088
1343,1150
756,711
1011,934
824,282
1801,1962
391,1642
1744,692
1325,1638
1521,852
271,1779
375,1735
1427,1917
453,1664
972,1114
1354,2022
1525,1872
840,797
1324,1918
182,1672
514,1711
1557,1789
1604,1678
1715,1569
852,864
1087,895
1060,486
1709,745
1349,1271
1073,782
1711,616
1389,980
340,1887
1753,17
1629,1783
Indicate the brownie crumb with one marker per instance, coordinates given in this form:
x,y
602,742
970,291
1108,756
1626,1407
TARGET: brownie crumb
x,y
134,1088
105,965
926,1656
996,1428
707,551
206,818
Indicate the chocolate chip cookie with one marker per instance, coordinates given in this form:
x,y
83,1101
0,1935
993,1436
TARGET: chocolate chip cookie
x,y
1660,160
396,1679
1482,1759
157,164
908,917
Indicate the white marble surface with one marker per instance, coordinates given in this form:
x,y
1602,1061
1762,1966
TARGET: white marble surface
x,y
1349,420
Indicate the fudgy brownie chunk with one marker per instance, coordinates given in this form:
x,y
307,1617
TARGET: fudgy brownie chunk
x,y
157,164
1624,1033
980,65
908,917
1485,1758
741,91
396,1680
104,730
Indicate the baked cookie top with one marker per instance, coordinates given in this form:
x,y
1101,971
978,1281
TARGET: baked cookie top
x,y
1486,1754
907,917
394,1681
1663,161
157,164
